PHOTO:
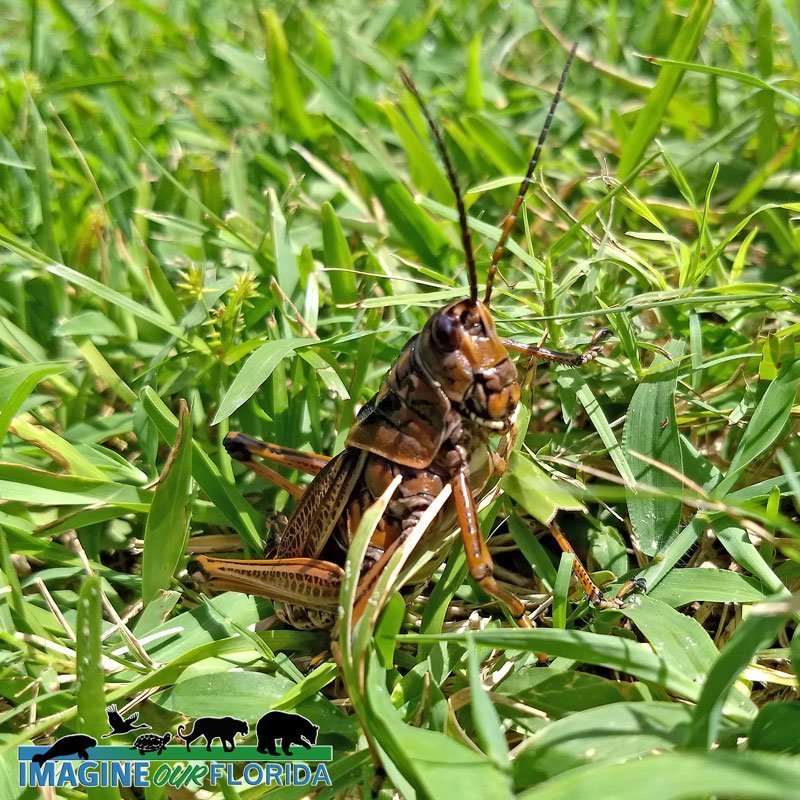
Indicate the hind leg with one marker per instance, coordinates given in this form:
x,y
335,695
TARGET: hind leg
x,y
268,747
306,589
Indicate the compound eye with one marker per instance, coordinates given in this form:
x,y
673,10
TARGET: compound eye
x,y
446,332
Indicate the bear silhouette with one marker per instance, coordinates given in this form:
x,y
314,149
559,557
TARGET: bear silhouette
x,y
289,728
69,745
222,728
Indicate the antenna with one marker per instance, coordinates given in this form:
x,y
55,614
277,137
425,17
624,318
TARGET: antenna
x,y
510,220
466,238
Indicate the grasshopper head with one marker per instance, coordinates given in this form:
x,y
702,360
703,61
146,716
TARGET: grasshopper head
x,y
460,347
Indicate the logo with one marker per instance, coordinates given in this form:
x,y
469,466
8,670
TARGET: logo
x,y
156,759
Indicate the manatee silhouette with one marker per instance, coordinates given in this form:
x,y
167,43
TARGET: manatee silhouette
x,y
70,745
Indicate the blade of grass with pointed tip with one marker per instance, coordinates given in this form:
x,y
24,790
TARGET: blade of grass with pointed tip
x,y
680,640
611,732
755,633
721,72
39,487
588,648
392,614
736,541
308,686
600,422
12,595
649,118
484,715
167,527
95,287
765,425
683,586
415,227
651,429
105,372
16,383
425,170
433,763
90,678
65,454
286,91
561,590
242,516
534,490
287,270
338,258
679,776
258,367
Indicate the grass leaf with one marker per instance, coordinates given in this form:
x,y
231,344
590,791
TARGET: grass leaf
x,y
167,528
651,429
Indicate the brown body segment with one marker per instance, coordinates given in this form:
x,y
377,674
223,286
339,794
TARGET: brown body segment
x,y
459,349
405,420
452,387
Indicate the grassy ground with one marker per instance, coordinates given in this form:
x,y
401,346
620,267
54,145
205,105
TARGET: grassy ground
x,y
241,208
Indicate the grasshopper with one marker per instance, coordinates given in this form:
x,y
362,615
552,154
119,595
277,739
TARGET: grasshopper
x,y
451,389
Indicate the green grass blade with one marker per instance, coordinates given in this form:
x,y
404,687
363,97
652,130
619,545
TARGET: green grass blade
x,y
16,383
535,490
766,424
650,117
756,632
338,258
167,528
651,429
205,472
721,72
680,776
434,764
489,731
254,373
589,648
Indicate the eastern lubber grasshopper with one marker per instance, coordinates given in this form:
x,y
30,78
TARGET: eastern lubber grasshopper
x,y
452,387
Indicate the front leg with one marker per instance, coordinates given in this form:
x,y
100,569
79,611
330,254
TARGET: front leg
x,y
558,357
479,560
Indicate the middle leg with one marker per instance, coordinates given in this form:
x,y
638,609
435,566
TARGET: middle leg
x,y
593,591
479,559
246,449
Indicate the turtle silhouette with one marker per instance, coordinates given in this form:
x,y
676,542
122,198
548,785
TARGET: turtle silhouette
x,y
120,724
151,743
70,745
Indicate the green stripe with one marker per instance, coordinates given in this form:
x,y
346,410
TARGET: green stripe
x,y
197,753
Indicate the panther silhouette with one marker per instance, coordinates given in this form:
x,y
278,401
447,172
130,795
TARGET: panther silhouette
x,y
222,728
